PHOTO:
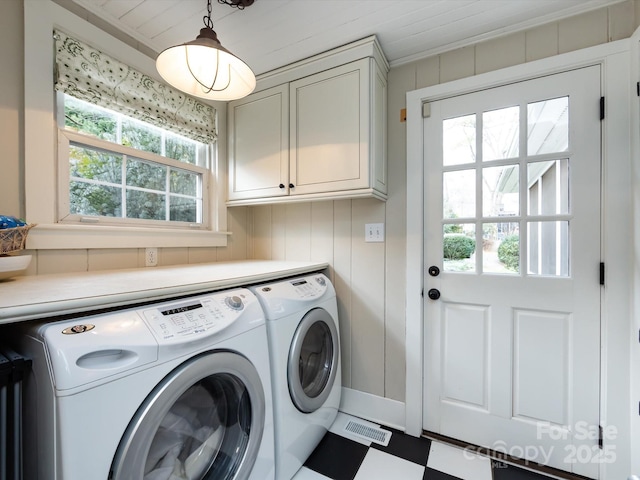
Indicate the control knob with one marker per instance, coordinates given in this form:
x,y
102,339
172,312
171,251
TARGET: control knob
x,y
234,302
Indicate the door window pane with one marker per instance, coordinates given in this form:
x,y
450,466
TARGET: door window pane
x,y
501,248
548,248
459,248
459,140
548,126
500,133
500,191
548,187
459,194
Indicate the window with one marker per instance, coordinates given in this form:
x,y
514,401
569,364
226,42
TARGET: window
x,y
193,195
125,169
140,155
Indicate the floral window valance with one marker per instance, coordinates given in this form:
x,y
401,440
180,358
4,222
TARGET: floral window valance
x,y
92,76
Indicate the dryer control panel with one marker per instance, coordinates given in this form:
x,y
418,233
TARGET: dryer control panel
x,y
200,316
309,288
292,295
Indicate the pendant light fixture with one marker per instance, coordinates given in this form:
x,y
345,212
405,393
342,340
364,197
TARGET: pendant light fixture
x,y
204,68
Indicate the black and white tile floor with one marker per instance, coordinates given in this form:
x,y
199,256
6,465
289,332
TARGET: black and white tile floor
x,y
344,456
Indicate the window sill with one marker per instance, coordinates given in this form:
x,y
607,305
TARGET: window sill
x,y
60,237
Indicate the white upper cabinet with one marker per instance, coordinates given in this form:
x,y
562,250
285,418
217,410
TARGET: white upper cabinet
x,y
259,144
319,135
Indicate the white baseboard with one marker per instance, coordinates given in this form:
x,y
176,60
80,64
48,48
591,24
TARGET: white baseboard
x,y
380,410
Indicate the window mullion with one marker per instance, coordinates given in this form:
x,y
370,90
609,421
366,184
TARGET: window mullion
x,y
167,195
123,183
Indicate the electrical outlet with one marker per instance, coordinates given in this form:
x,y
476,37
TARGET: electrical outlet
x,y
374,232
150,257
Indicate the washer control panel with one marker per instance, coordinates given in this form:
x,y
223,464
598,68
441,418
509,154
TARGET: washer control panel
x,y
198,317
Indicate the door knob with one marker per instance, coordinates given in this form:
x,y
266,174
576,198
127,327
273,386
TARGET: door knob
x,y
433,294
434,271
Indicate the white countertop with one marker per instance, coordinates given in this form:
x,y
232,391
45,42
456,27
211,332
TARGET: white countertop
x,y
41,296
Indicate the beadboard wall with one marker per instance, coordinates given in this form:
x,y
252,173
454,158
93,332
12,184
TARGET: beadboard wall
x,y
369,277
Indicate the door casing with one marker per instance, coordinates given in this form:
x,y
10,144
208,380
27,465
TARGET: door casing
x,y
617,325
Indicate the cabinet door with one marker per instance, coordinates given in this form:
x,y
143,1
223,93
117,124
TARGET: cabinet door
x,y
330,130
259,145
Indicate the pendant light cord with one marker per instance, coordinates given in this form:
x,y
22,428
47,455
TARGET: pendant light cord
x,y
239,4
207,18
209,88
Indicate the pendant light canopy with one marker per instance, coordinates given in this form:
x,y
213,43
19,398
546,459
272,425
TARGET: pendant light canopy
x,y
204,68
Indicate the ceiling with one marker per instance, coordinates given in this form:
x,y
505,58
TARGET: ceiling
x,y
273,33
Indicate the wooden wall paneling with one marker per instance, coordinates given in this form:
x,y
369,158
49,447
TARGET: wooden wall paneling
x,y
298,232
368,301
112,258
342,281
261,232
279,232
236,248
202,255
322,233
60,261
400,82
170,256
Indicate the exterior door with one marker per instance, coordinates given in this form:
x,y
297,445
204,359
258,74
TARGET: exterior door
x,y
512,293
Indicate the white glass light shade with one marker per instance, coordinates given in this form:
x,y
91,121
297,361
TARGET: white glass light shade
x,y
204,68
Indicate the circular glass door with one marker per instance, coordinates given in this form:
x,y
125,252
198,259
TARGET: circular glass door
x,y
313,360
204,421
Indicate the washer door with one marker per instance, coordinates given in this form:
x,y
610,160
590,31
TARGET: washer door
x,y
313,360
203,421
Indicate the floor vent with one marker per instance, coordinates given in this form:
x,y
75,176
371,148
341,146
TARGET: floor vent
x,y
376,435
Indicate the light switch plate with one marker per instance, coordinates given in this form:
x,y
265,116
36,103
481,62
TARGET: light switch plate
x,y
374,232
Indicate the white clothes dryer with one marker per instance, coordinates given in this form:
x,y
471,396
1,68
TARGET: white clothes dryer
x,y
174,390
304,348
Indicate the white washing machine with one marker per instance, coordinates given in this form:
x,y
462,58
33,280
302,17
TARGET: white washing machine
x,y
173,390
304,347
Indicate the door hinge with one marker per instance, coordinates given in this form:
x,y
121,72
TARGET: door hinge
x,y
638,88
601,108
426,110
601,273
600,437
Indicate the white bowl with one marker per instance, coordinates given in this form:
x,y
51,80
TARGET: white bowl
x,y
12,265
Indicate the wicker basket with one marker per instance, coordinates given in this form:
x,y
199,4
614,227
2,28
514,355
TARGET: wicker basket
x,y
13,239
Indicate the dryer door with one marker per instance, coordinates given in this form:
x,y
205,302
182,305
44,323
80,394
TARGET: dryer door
x,y
203,421
313,360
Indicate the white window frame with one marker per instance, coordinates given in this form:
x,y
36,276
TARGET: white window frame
x,y
41,147
68,137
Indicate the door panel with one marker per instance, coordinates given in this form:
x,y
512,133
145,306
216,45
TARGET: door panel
x,y
512,219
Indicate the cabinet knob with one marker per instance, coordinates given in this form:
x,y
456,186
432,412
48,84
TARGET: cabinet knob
x,y
281,185
291,185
